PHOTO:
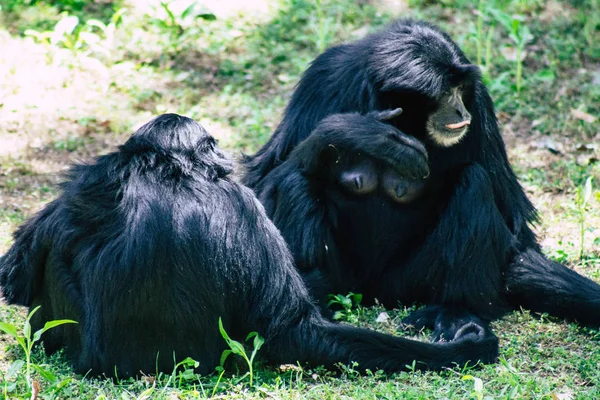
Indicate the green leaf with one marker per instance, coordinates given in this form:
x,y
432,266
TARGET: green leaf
x,y
33,312
515,25
207,16
545,75
118,16
14,369
9,329
65,27
189,362
27,329
357,298
223,332
97,23
188,374
47,375
49,325
224,356
21,341
167,9
258,342
237,348
588,190
56,387
338,315
191,10
146,393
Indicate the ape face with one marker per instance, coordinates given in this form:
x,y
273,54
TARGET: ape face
x,y
449,122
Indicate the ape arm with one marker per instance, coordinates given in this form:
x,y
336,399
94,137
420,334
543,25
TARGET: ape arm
x,y
542,285
361,134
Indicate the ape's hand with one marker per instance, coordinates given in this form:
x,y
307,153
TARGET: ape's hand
x,y
365,135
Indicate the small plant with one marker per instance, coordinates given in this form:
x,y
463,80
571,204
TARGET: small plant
x,y
484,43
179,15
322,29
26,341
560,254
237,348
582,200
109,30
520,35
188,374
477,386
347,302
66,34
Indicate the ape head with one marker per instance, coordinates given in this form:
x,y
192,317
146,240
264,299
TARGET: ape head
x,y
181,142
420,69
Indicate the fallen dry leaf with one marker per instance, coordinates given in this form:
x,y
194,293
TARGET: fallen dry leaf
x,y
35,389
562,396
383,317
583,116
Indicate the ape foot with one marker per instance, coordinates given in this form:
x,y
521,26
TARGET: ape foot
x,y
448,324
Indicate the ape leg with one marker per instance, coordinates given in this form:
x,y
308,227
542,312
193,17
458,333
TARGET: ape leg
x,y
459,267
541,285
319,342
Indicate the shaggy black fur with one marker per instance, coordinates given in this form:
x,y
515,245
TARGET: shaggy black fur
x,y
465,248
147,247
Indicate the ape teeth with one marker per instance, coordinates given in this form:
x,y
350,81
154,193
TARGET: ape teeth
x,y
459,125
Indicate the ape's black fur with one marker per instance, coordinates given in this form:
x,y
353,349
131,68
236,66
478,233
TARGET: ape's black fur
x,y
149,246
466,245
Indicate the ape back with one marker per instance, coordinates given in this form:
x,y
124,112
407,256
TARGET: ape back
x,y
144,249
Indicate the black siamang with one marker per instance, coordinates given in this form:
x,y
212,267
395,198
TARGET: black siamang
x,y
423,208
147,247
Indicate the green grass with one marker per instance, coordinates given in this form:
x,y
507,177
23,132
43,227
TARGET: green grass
x,y
69,93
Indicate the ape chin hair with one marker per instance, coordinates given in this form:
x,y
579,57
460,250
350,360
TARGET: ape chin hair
x,y
444,139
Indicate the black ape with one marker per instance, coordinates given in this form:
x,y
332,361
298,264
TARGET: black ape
x,y
463,244
149,246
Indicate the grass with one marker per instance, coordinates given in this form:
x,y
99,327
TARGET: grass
x,y
70,91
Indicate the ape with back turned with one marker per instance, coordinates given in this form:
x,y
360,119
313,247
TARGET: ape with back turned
x,y
149,246
420,206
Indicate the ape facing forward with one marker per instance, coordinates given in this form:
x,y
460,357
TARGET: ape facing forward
x,y
147,247
461,242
